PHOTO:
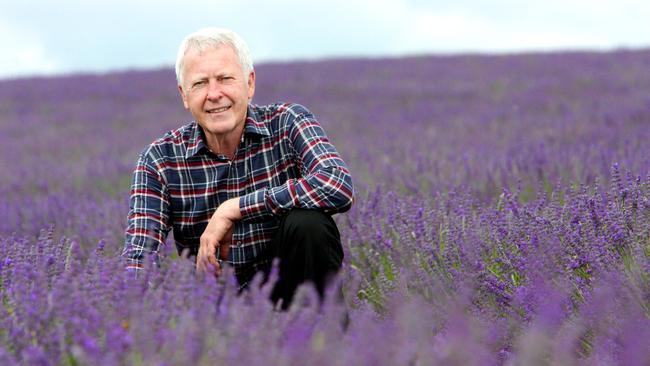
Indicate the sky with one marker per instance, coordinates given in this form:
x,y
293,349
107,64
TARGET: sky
x,y
40,37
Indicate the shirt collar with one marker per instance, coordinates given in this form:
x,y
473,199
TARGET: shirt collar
x,y
252,126
253,123
195,143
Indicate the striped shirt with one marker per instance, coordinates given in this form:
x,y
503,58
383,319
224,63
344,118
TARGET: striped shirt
x,y
284,160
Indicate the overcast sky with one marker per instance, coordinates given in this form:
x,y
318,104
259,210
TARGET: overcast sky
x,y
67,36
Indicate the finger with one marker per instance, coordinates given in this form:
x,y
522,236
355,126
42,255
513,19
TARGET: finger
x,y
201,263
223,251
203,258
214,269
200,266
217,270
213,261
199,260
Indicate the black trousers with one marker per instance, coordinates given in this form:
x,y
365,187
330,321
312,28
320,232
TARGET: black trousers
x,y
308,245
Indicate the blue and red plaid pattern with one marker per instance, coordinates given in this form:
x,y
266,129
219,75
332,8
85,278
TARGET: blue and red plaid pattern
x,y
284,160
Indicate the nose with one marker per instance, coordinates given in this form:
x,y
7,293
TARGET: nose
x,y
214,90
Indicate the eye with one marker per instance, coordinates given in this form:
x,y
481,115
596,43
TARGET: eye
x,y
198,84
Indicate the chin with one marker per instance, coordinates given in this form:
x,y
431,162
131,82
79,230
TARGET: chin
x,y
219,127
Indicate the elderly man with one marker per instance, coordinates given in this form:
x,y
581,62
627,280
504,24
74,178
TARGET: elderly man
x,y
242,183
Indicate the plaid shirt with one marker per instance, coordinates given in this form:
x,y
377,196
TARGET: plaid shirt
x,y
284,160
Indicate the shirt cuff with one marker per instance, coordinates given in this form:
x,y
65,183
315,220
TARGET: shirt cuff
x,y
282,198
252,205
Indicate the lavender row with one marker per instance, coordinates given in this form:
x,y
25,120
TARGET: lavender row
x,y
445,279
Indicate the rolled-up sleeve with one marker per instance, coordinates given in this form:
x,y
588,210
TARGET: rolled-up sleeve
x,y
148,219
325,183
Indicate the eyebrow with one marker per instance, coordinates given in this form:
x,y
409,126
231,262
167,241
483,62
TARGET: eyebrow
x,y
202,78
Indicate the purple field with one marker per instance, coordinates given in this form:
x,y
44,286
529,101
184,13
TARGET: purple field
x,y
502,217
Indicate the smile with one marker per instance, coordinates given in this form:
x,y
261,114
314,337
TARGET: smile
x,y
218,110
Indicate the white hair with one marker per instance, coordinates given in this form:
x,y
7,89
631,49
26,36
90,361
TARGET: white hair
x,y
212,38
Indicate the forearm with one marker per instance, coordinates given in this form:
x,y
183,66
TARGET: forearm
x,y
329,189
148,219
230,210
144,236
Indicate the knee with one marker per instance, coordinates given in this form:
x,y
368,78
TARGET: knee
x,y
308,222
311,230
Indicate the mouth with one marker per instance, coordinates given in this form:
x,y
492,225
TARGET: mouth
x,y
217,110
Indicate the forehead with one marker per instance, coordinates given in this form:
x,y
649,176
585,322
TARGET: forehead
x,y
211,59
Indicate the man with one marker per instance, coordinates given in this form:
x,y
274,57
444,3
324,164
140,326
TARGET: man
x,y
241,183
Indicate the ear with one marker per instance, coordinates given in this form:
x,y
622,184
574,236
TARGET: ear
x,y
183,97
251,85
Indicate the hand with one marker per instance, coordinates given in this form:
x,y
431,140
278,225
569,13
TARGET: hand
x,y
218,234
207,255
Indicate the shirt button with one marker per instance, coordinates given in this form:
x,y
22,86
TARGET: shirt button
x,y
238,243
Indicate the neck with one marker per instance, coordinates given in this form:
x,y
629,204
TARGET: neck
x,y
224,144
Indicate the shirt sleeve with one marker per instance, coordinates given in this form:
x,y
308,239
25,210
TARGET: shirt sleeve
x,y
148,219
325,184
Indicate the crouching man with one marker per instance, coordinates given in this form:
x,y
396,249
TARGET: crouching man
x,y
241,183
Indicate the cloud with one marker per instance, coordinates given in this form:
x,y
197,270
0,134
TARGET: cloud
x,y
76,35
522,26
23,53
457,32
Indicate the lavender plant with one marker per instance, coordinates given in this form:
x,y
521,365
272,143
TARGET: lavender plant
x,y
502,217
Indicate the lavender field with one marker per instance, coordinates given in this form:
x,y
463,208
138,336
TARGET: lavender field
x,y
502,217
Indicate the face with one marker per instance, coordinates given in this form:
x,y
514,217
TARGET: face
x,y
215,90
